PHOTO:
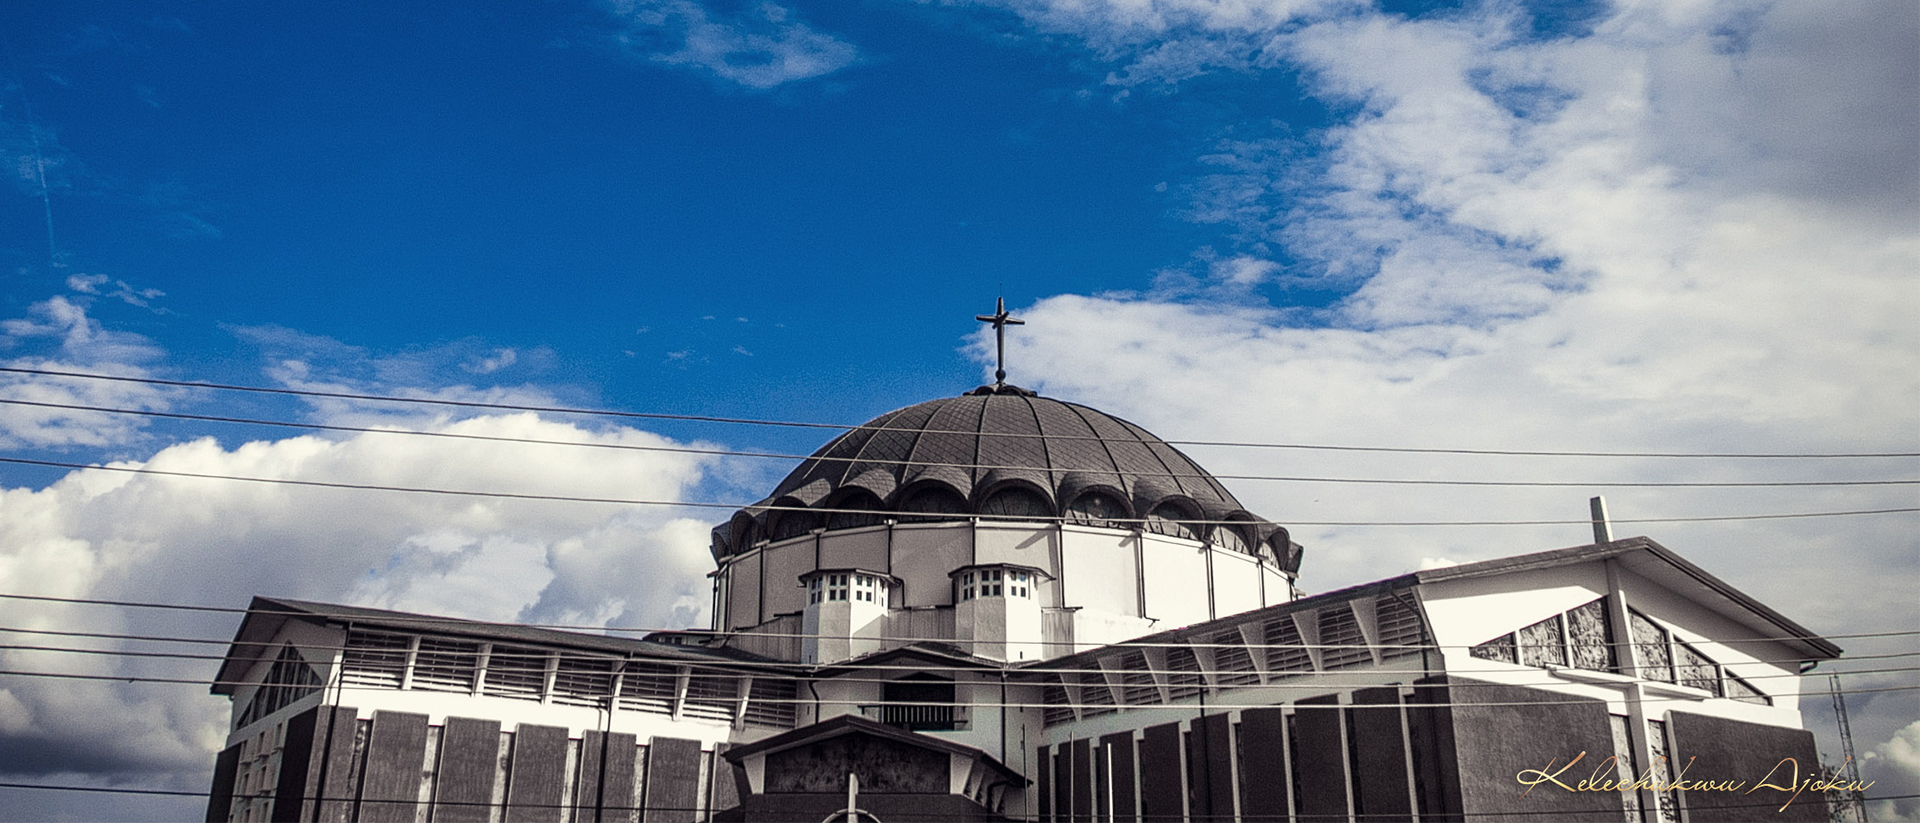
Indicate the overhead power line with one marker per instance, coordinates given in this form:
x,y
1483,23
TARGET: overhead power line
x,y
475,404
698,504
928,816
989,704
1287,679
459,622
489,438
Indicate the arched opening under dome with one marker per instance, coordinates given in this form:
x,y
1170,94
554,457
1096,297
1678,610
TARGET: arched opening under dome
x,y
792,523
1017,503
1232,537
854,509
1173,519
1097,508
932,502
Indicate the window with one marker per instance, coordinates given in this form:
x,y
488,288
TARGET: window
x,y
814,590
1018,584
966,586
1578,637
869,588
837,587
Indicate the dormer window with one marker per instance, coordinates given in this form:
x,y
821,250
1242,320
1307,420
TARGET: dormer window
x,y
995,583
869,588
847,587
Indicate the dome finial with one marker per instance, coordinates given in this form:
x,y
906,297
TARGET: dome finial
x,y
1000,320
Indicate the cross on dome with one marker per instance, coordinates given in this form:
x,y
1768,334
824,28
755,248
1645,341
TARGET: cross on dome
x,y
1000,320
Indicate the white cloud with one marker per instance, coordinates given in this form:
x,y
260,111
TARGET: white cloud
x,y
58,335
217,542
1894,768
762,48
1588,242
500,359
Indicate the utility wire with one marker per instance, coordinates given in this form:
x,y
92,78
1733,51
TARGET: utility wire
x,y
932,817
1297,677
936,464
881,512
1318,688
402,617
843,427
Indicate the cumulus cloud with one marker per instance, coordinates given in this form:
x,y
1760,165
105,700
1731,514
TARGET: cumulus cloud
x,y
1578,240
109,535
760,48
57,334
1894,768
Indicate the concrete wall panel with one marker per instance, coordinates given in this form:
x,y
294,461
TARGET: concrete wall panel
x,y
1717,749
673,780
469,750
537,777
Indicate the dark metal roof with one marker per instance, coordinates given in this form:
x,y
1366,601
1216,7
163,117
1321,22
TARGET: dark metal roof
x,y
982,441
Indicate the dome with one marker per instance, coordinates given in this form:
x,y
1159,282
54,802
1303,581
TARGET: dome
x,y
1004,452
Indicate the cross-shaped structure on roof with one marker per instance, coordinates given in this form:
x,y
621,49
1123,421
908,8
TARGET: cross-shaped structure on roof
x,y
1000,320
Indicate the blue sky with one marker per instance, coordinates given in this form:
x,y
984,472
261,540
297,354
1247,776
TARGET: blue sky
x,y
1506,225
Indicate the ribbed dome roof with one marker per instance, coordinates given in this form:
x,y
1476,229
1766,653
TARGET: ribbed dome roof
x,y
965,450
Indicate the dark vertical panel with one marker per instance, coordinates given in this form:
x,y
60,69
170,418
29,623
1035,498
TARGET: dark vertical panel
x,y
1043,784
1380,756
1119,748
1500,730
1160,773
721,795
1082,752
1719,749
296,759
316,766
220,796
1216,745
1194,742
536,776
396,751
469,750
1263,764
673,780
1436,778
1320,760
606,776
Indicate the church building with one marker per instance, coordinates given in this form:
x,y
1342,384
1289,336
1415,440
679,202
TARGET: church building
x,y
1004,607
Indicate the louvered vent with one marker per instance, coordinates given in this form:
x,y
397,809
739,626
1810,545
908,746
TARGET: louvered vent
x,y
1340,635
711,697
1284,650
1183,673
446,665
516,672
375,659
1095,697
1057,711
1236,664
1136,679
1400,631
648,687
772,702
583,681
